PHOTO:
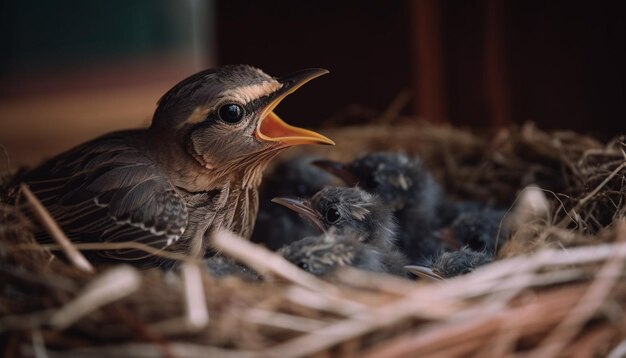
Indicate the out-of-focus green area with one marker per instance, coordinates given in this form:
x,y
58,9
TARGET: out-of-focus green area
x,y
41,35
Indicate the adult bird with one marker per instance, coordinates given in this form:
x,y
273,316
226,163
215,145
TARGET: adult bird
x,y
196,169
404,184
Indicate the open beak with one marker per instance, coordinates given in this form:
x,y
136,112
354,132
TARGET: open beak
x,y
273,129
303,208
424,272
337,169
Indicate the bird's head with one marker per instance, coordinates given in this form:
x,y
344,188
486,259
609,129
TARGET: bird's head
x,y
391,176
225,117
320,255
348,211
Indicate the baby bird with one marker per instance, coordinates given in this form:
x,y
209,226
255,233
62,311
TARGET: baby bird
x,y
480,230
321,255
407,187
276,227
220,267
349,212
451,264
359,230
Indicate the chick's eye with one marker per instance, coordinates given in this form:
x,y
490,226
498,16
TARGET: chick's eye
x,y
371,182
332,215
303,265
230,113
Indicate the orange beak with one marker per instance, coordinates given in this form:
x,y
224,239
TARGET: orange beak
x,y
273,129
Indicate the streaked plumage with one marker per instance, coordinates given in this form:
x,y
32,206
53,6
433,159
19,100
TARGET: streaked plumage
x,y
195,170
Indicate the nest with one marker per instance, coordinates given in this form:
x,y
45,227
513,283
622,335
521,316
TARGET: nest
x,y
558,289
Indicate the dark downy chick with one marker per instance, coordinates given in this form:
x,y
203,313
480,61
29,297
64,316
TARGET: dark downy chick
x,y
321,255
404,184
360,232
276,227
221,267
349,212
451,264
480,230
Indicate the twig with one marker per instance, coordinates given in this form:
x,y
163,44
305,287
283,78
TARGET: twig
x,y
142,350
282,320
44,217
196,315
588,305
264,261
110,286
195,301
619,351
566,219
87,246
39,346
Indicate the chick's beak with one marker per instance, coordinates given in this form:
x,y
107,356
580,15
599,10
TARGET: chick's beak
x,y
424,273
273,129
303,208
337,169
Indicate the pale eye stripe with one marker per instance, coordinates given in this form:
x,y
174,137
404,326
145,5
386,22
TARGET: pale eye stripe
x,y
249,93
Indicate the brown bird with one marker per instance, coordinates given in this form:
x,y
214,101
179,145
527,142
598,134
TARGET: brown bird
x,y
194,170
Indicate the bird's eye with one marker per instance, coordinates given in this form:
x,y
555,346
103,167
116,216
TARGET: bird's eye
x,y
303,265
332,215
371,182
230,113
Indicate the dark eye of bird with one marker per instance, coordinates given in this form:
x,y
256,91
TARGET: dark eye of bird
x,y
370,182
230,113
303,265
332,215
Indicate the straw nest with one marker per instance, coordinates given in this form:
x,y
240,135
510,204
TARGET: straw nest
x,y
558,289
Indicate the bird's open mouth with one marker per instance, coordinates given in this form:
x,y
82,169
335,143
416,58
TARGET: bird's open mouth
x,y
273,129
303,208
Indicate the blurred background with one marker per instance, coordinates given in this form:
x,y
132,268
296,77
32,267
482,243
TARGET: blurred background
x,y
71,70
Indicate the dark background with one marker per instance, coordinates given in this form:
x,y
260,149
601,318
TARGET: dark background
x,y
70,70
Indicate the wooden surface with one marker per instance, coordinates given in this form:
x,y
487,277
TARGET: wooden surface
x,y
40,120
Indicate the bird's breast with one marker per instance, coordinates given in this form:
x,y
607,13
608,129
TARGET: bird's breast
x,y
228,208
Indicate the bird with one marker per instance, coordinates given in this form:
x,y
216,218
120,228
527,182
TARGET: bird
x,y
322,255
196,169
403,183
348,211
480,230
221,267
451,264
357,230
276,227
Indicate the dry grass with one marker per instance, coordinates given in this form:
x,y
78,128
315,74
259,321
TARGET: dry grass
x,y
559,289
